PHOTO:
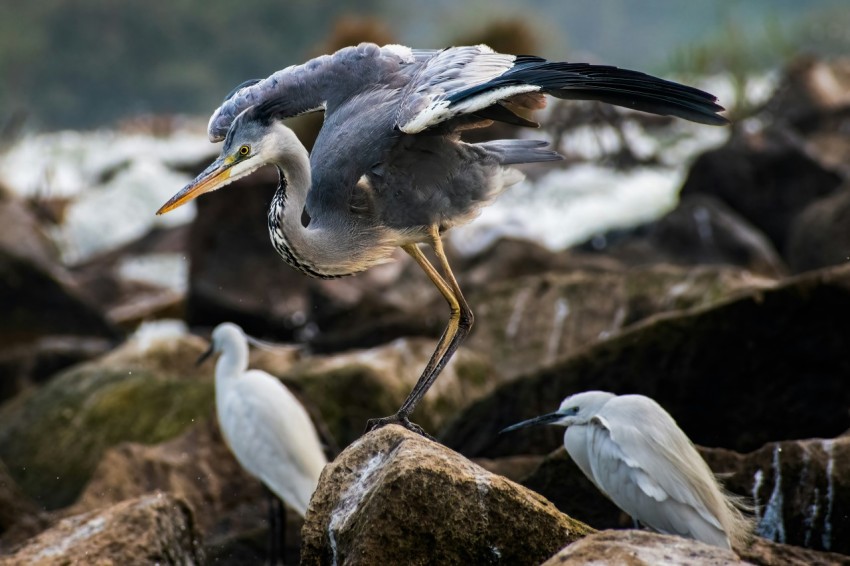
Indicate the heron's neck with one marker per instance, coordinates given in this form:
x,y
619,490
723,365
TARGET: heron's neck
x,y
327,247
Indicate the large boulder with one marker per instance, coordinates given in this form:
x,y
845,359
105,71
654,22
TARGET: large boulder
x,y
154,529
800,490
757,364
145,391
394,497
767,179
701,230
528,323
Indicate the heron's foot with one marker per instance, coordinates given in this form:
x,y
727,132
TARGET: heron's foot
x,y
396,419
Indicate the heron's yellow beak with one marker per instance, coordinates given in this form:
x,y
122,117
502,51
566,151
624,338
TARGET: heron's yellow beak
x,y
213,177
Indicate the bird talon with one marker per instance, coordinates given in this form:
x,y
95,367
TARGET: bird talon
x,y
375,424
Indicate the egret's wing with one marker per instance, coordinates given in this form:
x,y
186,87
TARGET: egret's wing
x,y
273,437
626,481
651,441
316,84
465,80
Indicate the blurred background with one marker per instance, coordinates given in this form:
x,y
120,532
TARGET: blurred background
x,y
89,63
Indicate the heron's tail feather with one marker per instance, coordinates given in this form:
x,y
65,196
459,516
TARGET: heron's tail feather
x,y
622,87
511,152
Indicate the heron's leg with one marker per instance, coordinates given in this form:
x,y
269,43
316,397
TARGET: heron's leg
x,y
460,322
277,528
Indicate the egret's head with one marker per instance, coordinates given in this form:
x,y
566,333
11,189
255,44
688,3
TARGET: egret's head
x,y
575,409
224,335
252,141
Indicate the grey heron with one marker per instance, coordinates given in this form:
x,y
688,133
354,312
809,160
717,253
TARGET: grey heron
x,y
389,169
265,426
635,453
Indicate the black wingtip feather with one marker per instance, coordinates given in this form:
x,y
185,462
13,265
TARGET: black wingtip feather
x,y
621,87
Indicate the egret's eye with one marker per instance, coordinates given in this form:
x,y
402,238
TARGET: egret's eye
x,y
244,150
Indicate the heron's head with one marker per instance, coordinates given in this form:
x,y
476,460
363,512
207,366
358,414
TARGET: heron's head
x,y
224,335
575,409
254,140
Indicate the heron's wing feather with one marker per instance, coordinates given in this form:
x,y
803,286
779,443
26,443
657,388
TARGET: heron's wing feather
x,y
316,84
462,82
426,99
276,440
649,437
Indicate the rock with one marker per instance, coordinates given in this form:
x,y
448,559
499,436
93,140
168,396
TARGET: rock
x,y
154,529
230,506
743,358
820,235
394,497
762,552
768,180
642,548
144,392
526,324
350,388
701,230
801,490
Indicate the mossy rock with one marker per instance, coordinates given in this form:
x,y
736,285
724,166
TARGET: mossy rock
x,y
53,437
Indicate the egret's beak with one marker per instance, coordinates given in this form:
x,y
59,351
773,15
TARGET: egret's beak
x,y
213,177
551,418
203,357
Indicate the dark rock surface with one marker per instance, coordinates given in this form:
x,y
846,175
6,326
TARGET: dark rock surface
x,y
394,497
820,235
762,361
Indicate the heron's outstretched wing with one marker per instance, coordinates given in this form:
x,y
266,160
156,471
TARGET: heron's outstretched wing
x,y
317,84
467,80
284,452
650,469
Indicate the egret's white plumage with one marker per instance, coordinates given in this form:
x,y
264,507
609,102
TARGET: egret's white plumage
x,y
265,426
635,453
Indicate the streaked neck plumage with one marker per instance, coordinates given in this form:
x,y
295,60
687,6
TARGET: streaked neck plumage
x,y
332,246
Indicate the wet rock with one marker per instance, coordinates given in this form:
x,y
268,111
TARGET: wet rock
x,y
525,324
229,505
820,235
145,391
761,360
701,230
801,490
767,179
641,548
350,388
154,529
394,497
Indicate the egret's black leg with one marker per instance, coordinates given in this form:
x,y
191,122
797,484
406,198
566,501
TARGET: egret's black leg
x,y
277,529
460,322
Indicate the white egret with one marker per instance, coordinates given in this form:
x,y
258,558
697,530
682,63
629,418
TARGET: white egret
x,y
636,454
264,425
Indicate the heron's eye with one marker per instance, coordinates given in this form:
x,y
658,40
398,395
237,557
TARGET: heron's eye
x,y
244,150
